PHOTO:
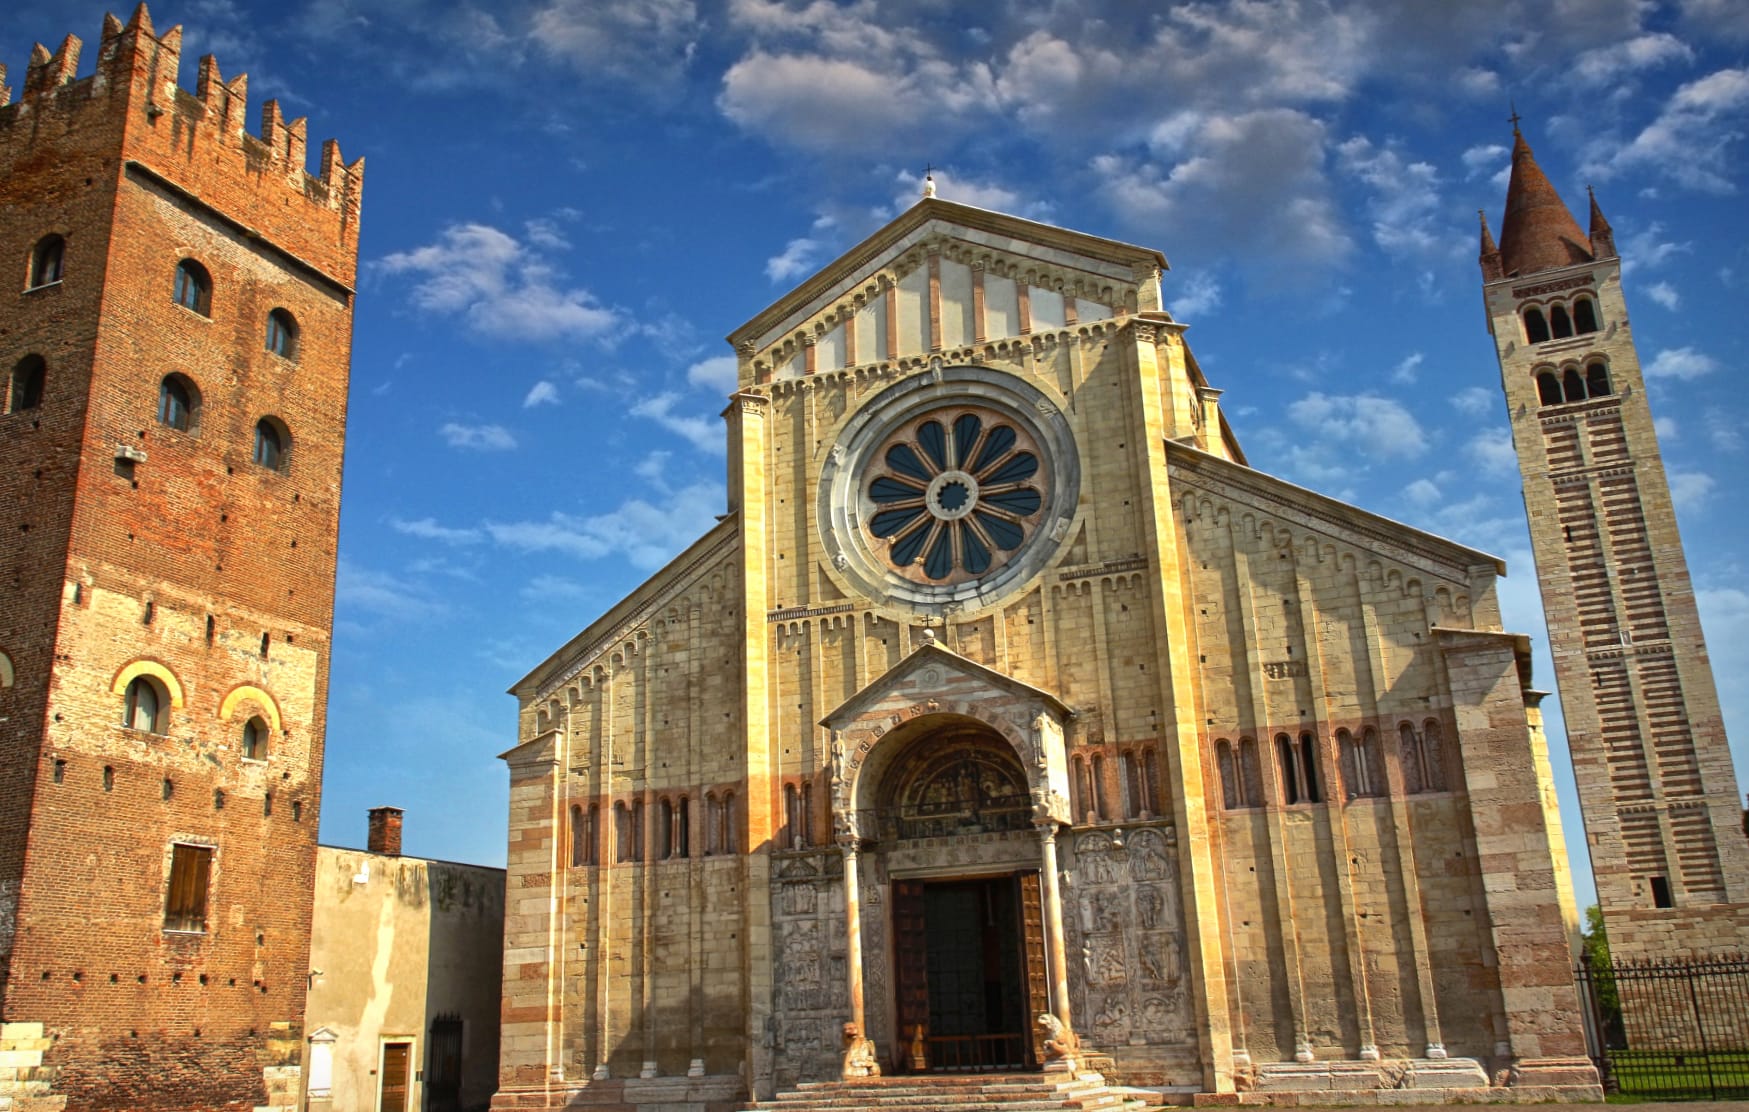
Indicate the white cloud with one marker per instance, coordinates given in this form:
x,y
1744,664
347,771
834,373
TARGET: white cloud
x,y
1256,182
380,593
1681,363
951,185
1692,137
647,42
1408,368
1478,82
1423,492
1492,450
720,373
1608,65
704,433
1365,423
500,287
479,438
541,393
1486,158
653,469
1664,294
647,535
1405,201
798,257
427,528
1648,247
1690,489
551,588
1473,401
1724,431
1665,427
1198,296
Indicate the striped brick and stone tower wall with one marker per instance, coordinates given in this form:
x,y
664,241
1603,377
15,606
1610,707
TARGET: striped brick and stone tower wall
x,y
1661,810
175,341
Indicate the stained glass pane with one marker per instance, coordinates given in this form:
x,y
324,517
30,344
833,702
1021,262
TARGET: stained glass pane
x,y
1004,534
906,550
940,560
965,434
1001,439
901,458
934,440
972,550
886,489
1022,502
888,522
1024,465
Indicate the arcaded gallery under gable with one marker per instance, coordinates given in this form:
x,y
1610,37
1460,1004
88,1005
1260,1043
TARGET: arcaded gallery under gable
x,y
1010,721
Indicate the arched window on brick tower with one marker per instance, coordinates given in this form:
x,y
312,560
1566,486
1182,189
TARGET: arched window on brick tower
x,y
193,289
45,261
25,390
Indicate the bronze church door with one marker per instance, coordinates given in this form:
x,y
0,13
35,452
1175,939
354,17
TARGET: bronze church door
x,y
968,958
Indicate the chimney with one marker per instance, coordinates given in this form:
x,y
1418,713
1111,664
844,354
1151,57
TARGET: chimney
x,y
385,831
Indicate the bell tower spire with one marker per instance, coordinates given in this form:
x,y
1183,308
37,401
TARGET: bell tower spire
x,y
1656,787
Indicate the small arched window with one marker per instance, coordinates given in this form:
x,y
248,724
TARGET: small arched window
x,y
1584,315
179,403
1548,388
194,287
45,261
1288,763
146,706
1597,381
25,391
255,740
726,837
1559,322
282,334
1229,773
664,829
1134,804
1536,329
622,833
272,444
1309,768
1572,385
1250,774
682,834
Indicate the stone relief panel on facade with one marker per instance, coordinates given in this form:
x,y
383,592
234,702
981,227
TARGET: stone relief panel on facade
x,y
1123,925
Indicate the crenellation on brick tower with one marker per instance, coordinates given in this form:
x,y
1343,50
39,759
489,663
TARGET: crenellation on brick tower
x,y
172,422
1650,756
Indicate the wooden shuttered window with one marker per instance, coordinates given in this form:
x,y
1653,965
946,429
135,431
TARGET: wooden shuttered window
x,y
185,903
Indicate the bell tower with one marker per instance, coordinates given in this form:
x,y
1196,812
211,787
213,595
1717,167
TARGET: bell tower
x,y
1661,810
175,326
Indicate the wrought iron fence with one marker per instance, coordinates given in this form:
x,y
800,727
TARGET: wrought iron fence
x,y
1670,1030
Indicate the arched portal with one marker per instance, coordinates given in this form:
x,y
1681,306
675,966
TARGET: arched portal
x,y
951,825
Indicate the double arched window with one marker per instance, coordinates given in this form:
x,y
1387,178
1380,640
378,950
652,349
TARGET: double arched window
x,y
1298,764
45,261
194,288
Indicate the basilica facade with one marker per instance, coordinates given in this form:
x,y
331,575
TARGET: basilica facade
x,y
1007,691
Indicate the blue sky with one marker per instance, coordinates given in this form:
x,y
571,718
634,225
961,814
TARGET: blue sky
x,y
569,202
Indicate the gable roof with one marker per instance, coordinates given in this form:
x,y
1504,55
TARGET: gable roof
x,y
999,230
932,653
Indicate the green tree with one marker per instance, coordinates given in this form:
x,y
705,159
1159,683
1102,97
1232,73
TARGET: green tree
x,y
1594,952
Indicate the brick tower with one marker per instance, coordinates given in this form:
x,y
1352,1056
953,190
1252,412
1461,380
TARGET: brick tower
x,y
175,344
1656,786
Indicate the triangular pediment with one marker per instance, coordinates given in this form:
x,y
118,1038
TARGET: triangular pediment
x,y
943,276
933,679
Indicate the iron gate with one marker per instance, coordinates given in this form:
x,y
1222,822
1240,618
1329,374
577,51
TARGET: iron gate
x,y
1670,1030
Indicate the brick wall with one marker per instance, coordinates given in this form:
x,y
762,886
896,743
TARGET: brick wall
x,y
170,551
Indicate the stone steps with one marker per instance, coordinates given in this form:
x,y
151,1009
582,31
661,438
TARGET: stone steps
x,y
973,1093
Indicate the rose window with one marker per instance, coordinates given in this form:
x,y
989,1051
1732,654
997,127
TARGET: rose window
x,y
954,494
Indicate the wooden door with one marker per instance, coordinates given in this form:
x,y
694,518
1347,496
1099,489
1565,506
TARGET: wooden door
x,y
910,963
1038,983
393,1088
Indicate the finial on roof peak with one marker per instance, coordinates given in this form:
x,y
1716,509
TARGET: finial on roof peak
x,y
928,181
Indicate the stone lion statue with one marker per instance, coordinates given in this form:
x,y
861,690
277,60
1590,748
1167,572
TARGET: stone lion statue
x,y
859,1054
1061,1044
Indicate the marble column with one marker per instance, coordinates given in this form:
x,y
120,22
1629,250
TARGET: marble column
x,y
853,932
1053,916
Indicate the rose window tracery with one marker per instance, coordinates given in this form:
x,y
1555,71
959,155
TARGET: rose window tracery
x,y
954,494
